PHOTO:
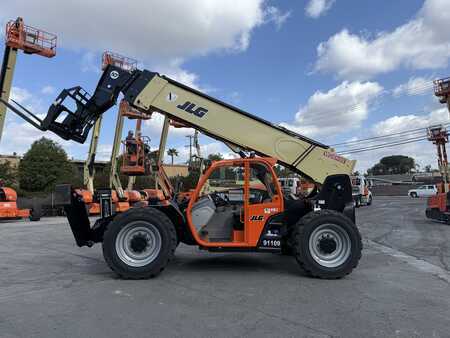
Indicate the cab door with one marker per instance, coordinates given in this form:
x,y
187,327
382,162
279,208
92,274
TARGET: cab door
x,y
264,199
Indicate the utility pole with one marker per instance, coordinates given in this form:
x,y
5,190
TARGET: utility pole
x,y
191,138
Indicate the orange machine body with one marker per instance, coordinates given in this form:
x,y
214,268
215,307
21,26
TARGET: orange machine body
x,y
254,217
8,205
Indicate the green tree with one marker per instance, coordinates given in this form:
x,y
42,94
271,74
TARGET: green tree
x,y
283,172
215,157
8,174
172,152
43,166
396,164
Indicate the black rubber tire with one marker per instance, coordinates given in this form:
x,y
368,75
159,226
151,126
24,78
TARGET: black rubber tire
x,y
413,195
301,235
168,237
358,202
287,244
35,214
369,201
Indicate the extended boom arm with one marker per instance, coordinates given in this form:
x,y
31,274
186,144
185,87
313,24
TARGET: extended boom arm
x,y
149,91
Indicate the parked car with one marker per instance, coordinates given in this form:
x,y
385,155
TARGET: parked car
x,y
423,191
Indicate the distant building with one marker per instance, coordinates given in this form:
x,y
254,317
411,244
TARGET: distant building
x,y
14,160
171,170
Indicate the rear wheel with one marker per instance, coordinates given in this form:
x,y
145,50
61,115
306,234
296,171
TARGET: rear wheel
x,y
369,201
327,244
358,201
139,243
413,194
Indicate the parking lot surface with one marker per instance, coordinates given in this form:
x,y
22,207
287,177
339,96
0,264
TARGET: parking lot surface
x,y
51,288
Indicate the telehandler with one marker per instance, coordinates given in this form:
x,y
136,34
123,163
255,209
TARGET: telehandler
x,y
238,204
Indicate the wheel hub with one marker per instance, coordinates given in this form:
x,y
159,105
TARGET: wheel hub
x,y
139,243
327,244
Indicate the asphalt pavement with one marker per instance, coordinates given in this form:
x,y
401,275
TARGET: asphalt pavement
x,y
51,288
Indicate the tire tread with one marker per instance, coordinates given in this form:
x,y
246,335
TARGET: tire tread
x,y
143,213
299,233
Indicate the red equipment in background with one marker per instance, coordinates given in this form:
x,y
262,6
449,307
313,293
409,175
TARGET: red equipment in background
x,y
438,206
8,205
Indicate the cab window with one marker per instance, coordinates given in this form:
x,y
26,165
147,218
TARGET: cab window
x,y
227,182
261,184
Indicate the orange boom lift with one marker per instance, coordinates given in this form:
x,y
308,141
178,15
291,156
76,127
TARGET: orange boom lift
x,y
438,207
30,40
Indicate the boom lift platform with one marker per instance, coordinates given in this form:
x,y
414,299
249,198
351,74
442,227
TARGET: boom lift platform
x,y
238,204
122,199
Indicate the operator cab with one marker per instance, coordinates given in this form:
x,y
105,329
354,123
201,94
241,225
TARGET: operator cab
x,y
233,201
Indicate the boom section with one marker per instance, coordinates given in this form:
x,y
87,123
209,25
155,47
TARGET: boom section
x,y
151,92
234,126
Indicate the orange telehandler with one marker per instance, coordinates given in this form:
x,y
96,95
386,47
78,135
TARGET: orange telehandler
x,y
238,204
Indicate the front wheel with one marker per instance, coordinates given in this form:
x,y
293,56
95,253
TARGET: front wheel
x,y
413,195
139,243
327,244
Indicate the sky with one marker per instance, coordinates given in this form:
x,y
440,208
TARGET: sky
x,y
333,70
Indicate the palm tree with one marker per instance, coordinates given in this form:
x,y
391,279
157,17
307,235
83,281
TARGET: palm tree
x,y
172,152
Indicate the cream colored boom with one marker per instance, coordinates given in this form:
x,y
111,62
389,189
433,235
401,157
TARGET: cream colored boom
x,y
232,125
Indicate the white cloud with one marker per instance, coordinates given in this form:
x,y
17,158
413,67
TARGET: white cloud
x,y
104,152
153,127
20,95
339,110
275,15
48,90
149,30
174,70
18,135
206,149
414,86
423,152
90,63
401,123
317,8
422,43
26,99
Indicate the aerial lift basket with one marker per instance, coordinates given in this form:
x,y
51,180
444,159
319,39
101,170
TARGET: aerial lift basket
x,y
442,89
114,59
29,39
